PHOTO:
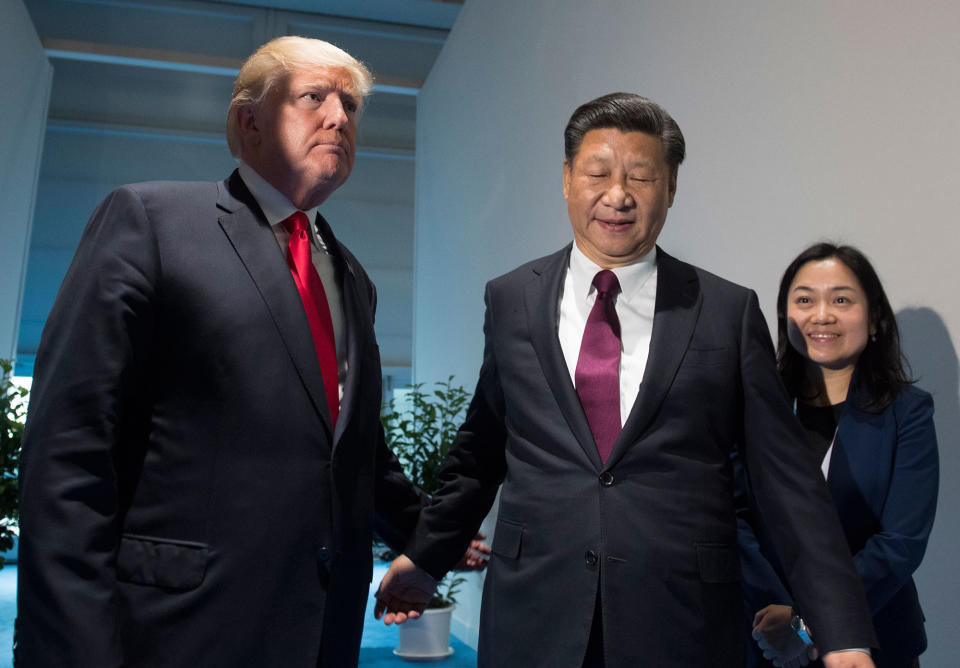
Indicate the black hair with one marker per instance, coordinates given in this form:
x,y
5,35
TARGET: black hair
x,y
626,112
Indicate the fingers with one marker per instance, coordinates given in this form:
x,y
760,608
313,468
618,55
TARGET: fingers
x,y
480,546
404,592
397,612
476,556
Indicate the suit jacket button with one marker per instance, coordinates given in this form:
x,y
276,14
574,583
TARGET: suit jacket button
x,y
606,479
591,558
323,555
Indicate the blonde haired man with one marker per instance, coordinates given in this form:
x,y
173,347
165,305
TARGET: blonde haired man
x,y
204,464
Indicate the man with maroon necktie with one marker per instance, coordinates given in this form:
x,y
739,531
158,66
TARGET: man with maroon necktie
x,y
616,382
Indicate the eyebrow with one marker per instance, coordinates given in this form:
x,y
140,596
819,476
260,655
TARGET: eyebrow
x,y
603,158
325,84
833,289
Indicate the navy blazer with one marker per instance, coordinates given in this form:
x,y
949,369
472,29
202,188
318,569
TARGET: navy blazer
x,y
883,476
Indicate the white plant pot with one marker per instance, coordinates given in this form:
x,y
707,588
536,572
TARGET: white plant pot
x,y
427,638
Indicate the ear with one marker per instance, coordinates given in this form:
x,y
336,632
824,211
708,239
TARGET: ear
x,y
567,177
672,186
247,125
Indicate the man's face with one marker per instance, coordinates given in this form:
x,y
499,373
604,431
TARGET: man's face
x,y
301,138
618,190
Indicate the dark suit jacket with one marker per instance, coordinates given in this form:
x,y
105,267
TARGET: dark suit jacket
x,y
654,530
184,500
884,475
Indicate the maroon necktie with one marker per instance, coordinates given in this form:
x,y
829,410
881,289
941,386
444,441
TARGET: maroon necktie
x,y
314,298
598,367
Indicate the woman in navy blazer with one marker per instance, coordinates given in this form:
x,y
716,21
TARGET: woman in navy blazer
x,y
839,356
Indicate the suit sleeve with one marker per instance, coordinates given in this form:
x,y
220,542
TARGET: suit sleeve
x,y
398,501
85,425
473,471
760,581
890,556
794,501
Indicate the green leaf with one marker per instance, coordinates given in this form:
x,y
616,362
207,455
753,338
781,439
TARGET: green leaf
x,y
12,417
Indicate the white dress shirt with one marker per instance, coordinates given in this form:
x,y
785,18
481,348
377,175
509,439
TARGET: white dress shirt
x,y
635,307
277,208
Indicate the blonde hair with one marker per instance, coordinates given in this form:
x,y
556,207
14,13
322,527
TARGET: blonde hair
x,y
276,59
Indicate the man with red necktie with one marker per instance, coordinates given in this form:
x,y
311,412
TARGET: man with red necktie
x,y
616,382
203,464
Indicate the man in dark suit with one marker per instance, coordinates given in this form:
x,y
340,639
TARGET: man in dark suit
x,y
615,382
203,463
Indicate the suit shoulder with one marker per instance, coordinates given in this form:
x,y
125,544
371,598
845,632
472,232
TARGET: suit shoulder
x,y
169,188
709,282
157,198
172,190
720,283
912,398
528,270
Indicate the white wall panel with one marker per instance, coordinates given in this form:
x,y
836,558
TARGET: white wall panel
x,y
26,75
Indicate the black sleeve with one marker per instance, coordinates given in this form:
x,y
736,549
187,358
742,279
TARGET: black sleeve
x,y
84,421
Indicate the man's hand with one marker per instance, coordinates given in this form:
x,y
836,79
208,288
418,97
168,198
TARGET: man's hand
x,y
772,618
476,556
847,659
778,640
404,592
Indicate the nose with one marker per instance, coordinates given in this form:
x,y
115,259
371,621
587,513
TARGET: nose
x,y
823,312
334,115
617,197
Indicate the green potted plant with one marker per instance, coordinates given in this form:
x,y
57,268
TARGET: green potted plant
x,y
420,426
12,416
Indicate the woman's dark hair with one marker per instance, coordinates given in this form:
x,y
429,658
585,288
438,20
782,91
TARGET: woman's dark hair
x,y
627,112
881,371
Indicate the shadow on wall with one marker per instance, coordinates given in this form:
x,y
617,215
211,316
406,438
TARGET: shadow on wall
x,y
933,358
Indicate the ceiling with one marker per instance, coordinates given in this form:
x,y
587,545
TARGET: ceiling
x,y
170,63
140,91
425,13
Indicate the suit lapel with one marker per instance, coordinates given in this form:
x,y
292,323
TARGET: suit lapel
x,y
244,224
357,315
675,316
542,299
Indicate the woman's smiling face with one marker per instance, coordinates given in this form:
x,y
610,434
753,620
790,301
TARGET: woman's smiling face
x,y
828,315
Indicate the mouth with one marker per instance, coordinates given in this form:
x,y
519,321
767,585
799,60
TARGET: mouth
x,y
822,337
332,146
613,224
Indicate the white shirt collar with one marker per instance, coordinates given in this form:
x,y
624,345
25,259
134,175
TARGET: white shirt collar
x,y
276,207
632,277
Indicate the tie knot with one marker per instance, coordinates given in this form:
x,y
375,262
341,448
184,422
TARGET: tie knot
x,y
606,283
296,222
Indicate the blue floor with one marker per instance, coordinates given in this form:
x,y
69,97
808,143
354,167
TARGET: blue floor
x,y
8,612
376,650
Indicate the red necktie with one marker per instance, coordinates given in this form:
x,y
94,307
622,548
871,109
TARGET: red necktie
x,y
598,367
314,298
